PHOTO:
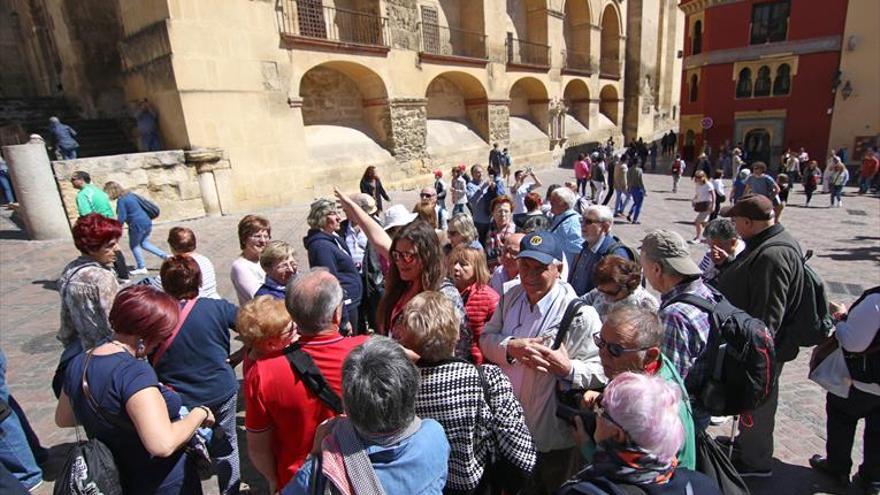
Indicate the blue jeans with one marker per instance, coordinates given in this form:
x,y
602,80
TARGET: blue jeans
x,y
620,201
16,438
68,154
638,197
836,193
224,450
150,141
864,184
138,237
6,185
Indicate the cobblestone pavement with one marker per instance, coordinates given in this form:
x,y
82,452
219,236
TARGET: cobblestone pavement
x,y
846,242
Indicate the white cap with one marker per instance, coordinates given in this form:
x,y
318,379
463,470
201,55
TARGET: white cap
x,y
398,216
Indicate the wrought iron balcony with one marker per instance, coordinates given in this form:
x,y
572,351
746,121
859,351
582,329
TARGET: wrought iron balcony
x,y
609,68
580,62
521,52
311,22
451,42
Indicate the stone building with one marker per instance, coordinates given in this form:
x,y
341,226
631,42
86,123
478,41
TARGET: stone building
x,y
303,94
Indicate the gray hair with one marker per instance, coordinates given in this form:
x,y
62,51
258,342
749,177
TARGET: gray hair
x,y
318,212
721,229
565,195
603,213
464,225
647,331
379,386
534,223
313,299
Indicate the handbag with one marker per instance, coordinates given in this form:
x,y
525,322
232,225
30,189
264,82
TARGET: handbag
x,y
828,368
151,209
701,206
712,462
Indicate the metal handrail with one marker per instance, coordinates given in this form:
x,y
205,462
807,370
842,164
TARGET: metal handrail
x,y
581,61
443,40
310,19
527,53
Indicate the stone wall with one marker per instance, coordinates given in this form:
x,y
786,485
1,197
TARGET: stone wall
x,y
499,122
162,177
330,97
409,129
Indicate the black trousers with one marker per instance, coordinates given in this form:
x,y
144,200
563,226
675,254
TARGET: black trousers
x,y
843,415
120,266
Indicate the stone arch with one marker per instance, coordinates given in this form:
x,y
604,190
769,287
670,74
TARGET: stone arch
x,y
345,106
577,32
529,99
610,46
457,109
744,83
782,83
763,84
608,103
577,99
697,41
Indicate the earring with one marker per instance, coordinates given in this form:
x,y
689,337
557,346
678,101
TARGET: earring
x,y
141,351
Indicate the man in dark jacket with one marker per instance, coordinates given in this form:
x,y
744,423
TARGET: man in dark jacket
x,y
766,281
596,224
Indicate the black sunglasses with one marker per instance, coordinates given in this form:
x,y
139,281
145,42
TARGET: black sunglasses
x,y
615,350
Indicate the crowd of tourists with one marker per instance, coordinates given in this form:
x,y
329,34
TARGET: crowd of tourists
x,y
497,342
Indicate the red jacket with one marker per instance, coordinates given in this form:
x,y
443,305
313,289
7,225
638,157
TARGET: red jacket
x,y
479,304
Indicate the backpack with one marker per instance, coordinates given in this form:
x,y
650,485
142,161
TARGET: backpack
x,y
618,244
809,321
150,208
89,470
740,354
676,167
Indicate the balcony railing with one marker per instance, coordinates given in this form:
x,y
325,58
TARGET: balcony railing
x,y
579,62
609,67
452,42
521,52
310,20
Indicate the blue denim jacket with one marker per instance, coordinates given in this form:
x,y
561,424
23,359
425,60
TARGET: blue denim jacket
x,y
417,465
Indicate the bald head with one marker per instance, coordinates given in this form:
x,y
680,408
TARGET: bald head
x,y
511,251
314,301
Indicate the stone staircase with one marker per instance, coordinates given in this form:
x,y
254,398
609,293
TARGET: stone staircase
x,y
96,137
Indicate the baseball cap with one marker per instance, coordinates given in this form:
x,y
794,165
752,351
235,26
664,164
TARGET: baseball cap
x,y
669,246
751,206
541,246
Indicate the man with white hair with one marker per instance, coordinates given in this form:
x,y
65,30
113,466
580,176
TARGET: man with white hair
x,y
566,222
520,338
598,242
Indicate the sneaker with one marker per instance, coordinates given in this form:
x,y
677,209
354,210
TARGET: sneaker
x,y
139,271
629,217
820,464
750,472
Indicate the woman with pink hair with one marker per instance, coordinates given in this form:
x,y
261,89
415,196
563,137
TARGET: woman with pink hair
x,y
638,433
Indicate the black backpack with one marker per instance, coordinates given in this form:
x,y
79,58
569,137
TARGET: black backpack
x,y
618,244
89,470
150,208
740,354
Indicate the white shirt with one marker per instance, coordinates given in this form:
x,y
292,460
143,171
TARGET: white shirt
x,y
519,197
499,279
704,192
718,185
515,317
856,333
247,277
209,277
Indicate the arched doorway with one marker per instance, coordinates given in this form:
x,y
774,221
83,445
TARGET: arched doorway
x,y
610,62
577,35
577,99
345,113
527,33
608,104
757,144
457,112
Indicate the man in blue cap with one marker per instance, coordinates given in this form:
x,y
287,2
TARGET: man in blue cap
x,y
519,338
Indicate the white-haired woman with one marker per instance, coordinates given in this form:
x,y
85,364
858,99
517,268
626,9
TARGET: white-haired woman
x,y
638,434
327,249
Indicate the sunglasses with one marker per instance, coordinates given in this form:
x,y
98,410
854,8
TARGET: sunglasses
x,y
424,195
406,257
587,221
615,350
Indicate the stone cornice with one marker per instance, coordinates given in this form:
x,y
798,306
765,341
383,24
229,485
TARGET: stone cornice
x,y
754,52
700,5
408,102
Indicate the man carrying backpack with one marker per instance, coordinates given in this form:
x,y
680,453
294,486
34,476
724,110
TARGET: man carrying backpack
x,y
596,224
767,281
667,264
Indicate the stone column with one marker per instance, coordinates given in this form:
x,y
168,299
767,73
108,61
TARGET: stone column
x,y
409,128
499,121
205,162
37,192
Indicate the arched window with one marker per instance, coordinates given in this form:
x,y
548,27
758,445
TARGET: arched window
x,y
782,83
694,88
744,83
762,82
697,44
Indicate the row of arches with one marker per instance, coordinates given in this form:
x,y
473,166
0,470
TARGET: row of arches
x,y
780,85
345,101
577,33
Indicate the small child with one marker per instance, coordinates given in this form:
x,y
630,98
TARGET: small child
x,y
784,188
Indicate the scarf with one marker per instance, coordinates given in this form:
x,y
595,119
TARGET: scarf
x,y
628,463
344,459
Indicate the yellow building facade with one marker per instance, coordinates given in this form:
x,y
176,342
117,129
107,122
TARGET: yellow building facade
x,y
304,94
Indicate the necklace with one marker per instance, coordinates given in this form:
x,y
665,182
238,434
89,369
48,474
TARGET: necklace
x,y
122,346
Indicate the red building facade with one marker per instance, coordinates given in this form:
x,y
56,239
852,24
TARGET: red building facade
x,y
763,72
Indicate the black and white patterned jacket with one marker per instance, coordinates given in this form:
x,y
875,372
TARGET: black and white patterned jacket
x,y
451,393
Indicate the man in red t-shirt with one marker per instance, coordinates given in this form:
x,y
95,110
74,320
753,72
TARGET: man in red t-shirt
x,y
281,413
870,164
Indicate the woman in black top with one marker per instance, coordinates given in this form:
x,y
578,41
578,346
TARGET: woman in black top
x,y
370,184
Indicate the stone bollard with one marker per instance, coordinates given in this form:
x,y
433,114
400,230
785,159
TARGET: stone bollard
x,y
205,161
37,192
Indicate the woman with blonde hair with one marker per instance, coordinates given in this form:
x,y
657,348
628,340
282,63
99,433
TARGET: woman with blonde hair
x,y
703,201
265,327
462,231
280,265
130,211
470,274
475,404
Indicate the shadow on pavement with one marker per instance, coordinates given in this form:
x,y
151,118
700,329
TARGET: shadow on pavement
x,y
47,284
797,479
860,253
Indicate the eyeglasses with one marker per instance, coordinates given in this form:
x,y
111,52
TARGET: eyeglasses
x,y
425,195
260,237
599,409
614,349
588,221
406,257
